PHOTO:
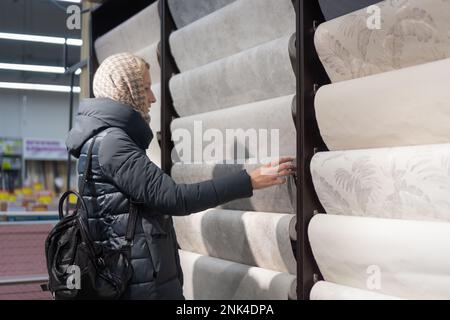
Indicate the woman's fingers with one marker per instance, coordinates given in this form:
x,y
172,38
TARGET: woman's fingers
x,y
280,161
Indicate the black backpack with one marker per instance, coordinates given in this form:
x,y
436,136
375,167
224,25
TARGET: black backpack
x,y
80,268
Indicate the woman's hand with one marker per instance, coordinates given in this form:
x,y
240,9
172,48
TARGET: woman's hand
x,y
272,174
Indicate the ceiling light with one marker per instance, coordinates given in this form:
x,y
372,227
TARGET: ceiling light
x,y
43,39
32,68
38,87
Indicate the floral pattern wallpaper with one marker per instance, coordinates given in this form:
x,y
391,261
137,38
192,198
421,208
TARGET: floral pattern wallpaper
x,y
412,32
399,183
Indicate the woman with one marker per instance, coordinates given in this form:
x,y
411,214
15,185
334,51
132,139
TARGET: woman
x,y
119,119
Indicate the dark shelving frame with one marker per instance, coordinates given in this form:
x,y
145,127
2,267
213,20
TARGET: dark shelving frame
x,y
311,75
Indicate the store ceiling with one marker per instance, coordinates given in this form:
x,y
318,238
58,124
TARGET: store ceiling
x,y
37,17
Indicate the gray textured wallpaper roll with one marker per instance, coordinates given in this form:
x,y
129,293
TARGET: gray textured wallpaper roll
x,y
154,150
185,12
207,278
134,34
263,72
275,199
253,238
149,54
239,26
261,129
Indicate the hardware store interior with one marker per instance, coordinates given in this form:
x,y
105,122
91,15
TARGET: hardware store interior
x,y
354,91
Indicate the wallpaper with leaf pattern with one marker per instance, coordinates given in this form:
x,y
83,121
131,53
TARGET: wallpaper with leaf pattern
x,y
412,32
399,183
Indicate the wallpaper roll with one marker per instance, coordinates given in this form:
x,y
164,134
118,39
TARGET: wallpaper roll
x,y
149,54
401,183
154,150
185,12
323,290
293,53
263,72
132,35
406,259
275,199
411,32
207,278
253,238
398,108
262,128
239,26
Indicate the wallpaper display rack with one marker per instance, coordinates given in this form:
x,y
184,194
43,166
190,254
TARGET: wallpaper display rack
x,y
320,53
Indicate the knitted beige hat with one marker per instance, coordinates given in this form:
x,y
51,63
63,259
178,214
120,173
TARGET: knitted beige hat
x,y
121,78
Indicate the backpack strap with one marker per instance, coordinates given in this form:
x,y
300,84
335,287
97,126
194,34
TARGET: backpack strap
x,y
88,166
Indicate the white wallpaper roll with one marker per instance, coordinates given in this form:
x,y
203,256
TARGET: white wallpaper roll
x,y
239,26
399,108
323,290
263,72
401,183
149,54
406,259
154,150
207,278
275,199
132,35
185,12
269,123
252,238
412,32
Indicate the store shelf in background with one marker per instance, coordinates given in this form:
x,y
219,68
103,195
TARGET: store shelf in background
x,y
28,216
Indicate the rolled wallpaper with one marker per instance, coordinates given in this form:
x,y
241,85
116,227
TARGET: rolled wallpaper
x,y
207,278
411,32
323,290
405,259
398,108
400,183
149,54
275,199
293,52
132,35
239,26
268,123
253,238
185,12
334,8
154,150
260,73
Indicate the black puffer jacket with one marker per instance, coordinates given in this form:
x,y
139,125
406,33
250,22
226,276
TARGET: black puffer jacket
x,y
121,170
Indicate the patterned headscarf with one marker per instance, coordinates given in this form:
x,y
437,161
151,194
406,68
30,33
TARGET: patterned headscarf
x,y
121,78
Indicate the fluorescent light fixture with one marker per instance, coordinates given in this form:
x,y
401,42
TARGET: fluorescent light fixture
x,y
37,87
32,68
43,39
73,1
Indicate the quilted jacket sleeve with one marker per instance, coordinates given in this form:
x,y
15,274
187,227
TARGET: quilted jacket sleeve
x,y
136,176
